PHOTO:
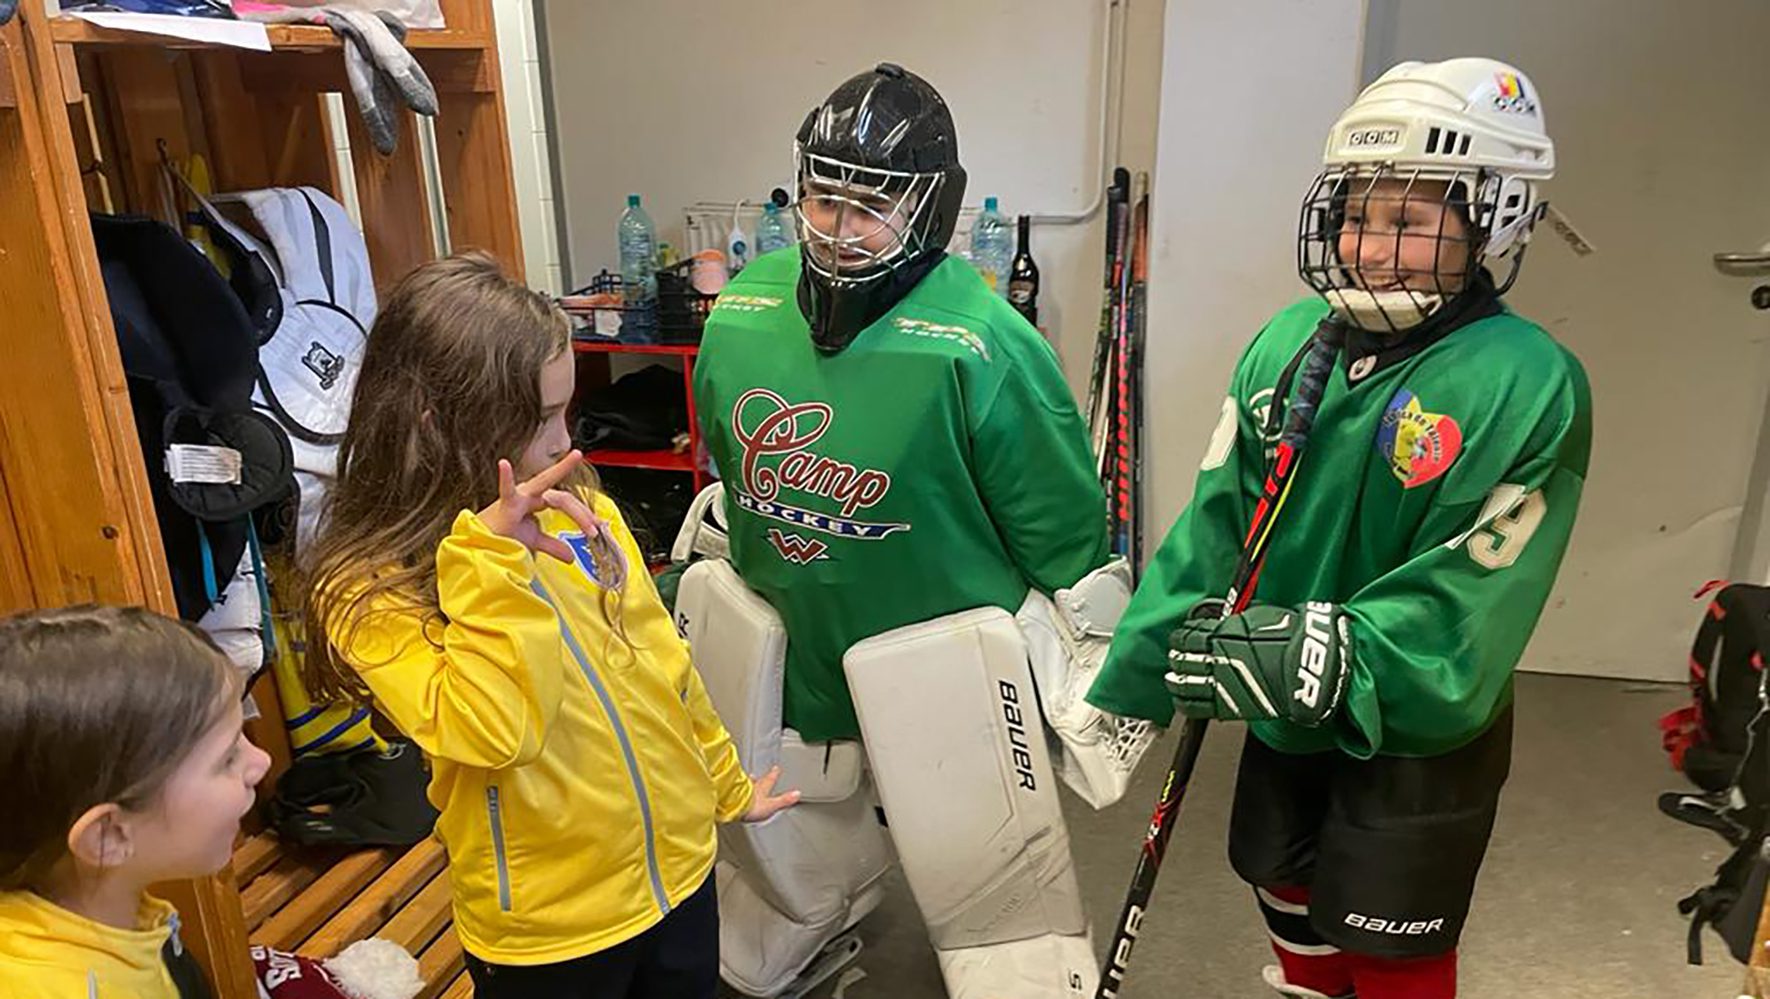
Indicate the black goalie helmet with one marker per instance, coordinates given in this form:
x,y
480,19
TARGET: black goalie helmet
x,y
879,192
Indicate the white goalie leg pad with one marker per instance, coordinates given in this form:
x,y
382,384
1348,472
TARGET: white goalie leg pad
x,y
792,884
1067,641
1054,964
950,720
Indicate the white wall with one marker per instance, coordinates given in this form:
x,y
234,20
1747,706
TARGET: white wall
x,y
1656,114
1249,90
683,101
530,157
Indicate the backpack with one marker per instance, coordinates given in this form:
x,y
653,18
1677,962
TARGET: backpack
x,y
189,358
1721,742
301,267
1710,738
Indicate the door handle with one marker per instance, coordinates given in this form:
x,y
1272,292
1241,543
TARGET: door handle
x,y
1745,264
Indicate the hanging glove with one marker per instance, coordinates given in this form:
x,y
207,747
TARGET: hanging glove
x,y
1264,663
383,75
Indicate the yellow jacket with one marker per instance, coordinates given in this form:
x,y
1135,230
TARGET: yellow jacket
x,y
579,776
47,952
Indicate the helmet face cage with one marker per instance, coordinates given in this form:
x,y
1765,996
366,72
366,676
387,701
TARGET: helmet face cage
x,y
1363,213
843,206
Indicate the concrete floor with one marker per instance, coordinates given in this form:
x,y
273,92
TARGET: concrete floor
x,y
1576,901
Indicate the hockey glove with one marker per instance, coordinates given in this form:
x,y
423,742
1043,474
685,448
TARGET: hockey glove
x,y
1264,663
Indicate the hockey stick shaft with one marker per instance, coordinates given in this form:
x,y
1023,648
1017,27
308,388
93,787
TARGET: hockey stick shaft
x,y
1299,417
1139,330
1116,470
1115,199
1130,394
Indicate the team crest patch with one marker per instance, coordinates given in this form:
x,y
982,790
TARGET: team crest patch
x,y
1509,95
796,549
1419,446
613,564
325,365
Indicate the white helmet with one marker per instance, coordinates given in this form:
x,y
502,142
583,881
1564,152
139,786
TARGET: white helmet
x,y
1474,125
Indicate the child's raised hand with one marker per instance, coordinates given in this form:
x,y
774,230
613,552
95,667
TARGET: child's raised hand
x,y
513,514
767,803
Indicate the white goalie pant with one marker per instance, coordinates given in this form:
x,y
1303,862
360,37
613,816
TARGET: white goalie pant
x,y
950,719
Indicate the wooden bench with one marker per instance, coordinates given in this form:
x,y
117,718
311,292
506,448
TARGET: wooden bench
x,y
317,902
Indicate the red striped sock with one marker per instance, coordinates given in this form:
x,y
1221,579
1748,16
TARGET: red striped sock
x,y
1308,961
1404,978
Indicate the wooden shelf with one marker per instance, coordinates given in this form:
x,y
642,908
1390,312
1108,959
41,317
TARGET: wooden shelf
x,y
283,37
617,347
662,461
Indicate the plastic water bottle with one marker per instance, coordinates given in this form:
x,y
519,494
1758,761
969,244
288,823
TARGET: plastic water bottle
x,y
639,254
992,247
771,232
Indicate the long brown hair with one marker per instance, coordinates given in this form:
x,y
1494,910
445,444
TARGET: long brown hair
x,y
450,384
97,705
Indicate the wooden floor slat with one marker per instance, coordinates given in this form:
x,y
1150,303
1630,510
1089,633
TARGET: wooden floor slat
x,y
379,902
286,928
256,855
418,923
440,964
273,889
462,988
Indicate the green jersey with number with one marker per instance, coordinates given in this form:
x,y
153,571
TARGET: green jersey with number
x,y
1434,503
936,464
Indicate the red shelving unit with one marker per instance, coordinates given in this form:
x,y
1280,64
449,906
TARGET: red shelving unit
x,y
616,347
665,460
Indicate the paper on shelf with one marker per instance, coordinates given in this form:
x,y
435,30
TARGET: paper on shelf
x,y
208,30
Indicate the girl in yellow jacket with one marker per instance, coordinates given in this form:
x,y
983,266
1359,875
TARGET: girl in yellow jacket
x,y
124,763
471,578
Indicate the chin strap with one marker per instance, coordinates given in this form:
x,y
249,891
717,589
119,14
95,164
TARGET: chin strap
x,y
1383,311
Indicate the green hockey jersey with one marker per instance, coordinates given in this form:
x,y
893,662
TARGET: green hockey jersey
x,y
1434,504
936,464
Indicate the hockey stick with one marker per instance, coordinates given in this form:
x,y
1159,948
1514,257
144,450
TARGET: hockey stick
x,y
1317,361
1128,522
1097,373
1100,384
1111,400
1118,461
1139,336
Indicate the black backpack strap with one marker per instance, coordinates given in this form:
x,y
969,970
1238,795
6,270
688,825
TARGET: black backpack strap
x,y
322,242
1708,905
1703,906
1708,638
